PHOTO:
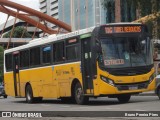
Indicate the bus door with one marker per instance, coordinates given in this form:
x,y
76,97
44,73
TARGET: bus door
x,y
86,66
16,76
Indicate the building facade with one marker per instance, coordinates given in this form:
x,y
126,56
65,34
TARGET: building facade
x,y
17,41
81,14
49,7
10,23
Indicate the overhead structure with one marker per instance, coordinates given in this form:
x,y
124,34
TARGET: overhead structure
x,y
22,12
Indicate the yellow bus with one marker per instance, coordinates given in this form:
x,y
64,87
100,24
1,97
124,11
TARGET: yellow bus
x,y
114,60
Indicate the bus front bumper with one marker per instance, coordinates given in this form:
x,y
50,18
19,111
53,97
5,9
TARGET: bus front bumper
x,y
125,88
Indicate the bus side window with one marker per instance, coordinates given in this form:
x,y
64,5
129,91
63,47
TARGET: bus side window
x,y
24,59
58,52
46,54
8,62
72,52
35,56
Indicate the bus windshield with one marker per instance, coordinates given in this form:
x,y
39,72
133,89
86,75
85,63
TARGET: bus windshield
x,y
126,52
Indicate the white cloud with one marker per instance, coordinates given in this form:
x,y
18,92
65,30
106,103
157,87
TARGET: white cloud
x,y
34,4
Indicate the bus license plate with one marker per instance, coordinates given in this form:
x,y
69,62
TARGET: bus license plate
x,y
133,87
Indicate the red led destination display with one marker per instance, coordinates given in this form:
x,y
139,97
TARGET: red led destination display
x,y
123,29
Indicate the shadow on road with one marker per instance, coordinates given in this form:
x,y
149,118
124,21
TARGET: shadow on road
x,y
92,102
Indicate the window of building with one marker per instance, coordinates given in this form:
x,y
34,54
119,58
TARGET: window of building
x,y
46,54
8,62
24,59
35,56
58,52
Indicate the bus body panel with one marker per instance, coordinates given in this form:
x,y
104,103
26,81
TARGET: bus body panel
x,y
103,88
47,82
9,84
64,74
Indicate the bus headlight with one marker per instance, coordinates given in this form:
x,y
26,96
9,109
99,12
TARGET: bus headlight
x,y
107,80
151,77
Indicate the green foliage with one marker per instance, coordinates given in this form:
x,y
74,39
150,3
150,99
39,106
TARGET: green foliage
x,y
144,5
18,31
109,6
150,9
130,8
150,26
158,31
1,63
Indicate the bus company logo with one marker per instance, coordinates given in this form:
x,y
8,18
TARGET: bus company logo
x,y
72,71
6,114
59,72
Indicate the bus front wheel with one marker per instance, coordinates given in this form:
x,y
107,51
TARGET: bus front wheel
x,y
124,98
5,96
158,93
29,94
79,95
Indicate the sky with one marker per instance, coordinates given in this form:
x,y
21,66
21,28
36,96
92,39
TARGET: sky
x,y
34,4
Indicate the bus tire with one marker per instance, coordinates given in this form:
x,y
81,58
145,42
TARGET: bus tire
x,y
124,98
79,96
29,94
158,92
5,96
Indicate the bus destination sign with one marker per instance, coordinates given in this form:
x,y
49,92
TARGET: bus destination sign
x,y
123,29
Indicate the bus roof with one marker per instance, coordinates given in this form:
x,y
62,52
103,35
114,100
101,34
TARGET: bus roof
x,y
124,23
49,39
52,38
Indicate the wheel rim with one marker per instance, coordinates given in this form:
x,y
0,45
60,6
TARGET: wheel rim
x,y
28,96
159,93
79,93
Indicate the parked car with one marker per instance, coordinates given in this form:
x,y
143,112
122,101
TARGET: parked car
x,y
157,91
2,91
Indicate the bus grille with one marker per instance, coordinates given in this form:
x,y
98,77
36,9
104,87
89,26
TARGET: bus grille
x,y
135,86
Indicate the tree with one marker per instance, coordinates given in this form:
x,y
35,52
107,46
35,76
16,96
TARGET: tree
x,y
18,31
1,63
155,22
109,6
147,11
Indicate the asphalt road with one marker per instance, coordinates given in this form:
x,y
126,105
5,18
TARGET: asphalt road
x,y
137,104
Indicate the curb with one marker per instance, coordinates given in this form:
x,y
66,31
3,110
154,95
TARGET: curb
x,y
147,94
